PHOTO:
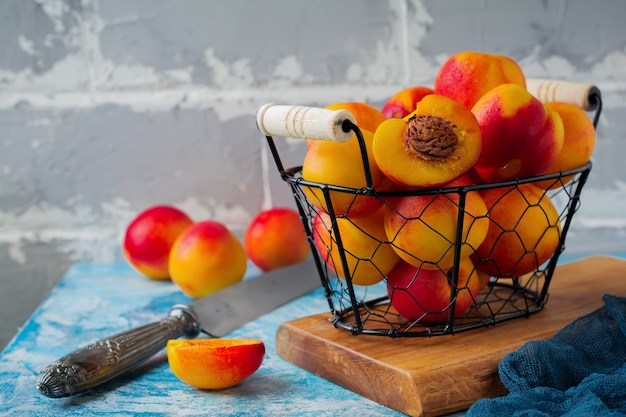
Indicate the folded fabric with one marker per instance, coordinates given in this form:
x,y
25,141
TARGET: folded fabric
x,y
580,371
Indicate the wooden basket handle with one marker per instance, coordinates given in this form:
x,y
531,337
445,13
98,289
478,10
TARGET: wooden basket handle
x,y
585,96
305,122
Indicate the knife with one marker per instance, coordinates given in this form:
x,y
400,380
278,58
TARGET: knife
x,y
216,314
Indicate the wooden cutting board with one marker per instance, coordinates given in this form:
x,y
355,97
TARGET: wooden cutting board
x,y
439,375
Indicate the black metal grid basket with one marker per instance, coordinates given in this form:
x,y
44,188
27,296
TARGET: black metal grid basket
x,y
366,309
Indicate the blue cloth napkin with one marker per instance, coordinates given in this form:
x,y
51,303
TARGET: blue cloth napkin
x,y
580,371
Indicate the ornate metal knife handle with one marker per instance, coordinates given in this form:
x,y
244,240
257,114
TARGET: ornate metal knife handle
x,y
108,358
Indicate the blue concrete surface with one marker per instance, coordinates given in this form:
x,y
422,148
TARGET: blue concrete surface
x,y
93,301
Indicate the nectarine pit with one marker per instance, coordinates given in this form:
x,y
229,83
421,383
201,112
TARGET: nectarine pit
x,y
430,138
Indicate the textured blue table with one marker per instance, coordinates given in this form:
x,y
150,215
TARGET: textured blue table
x,y
93,301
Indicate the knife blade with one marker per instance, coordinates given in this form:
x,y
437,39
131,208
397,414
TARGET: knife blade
x,y
216,314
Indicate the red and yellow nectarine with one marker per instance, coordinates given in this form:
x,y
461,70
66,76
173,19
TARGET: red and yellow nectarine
x,y
205,258
149,238
521,136
214,363
402,103
467,76
341,164
424,294
276,238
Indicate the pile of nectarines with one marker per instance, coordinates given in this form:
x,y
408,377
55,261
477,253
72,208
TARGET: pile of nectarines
x,y
439,215
163,242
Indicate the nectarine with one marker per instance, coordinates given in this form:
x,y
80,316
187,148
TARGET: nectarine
x,y
149,238
435,144
424,294
521,136
341,164
205,258
363,242
214,363
467,76
578,142
524,231
276,238
403,103
423,228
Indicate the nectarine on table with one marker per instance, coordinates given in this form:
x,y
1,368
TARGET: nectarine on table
x,y
214,364
149,238
205,258
276,238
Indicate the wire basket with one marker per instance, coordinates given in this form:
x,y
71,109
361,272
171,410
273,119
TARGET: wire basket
x,y
468,297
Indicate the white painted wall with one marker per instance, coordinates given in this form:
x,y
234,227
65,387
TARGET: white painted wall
x,y
110,106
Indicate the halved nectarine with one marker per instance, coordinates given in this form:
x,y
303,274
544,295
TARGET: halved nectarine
x,y
214,363
433,145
